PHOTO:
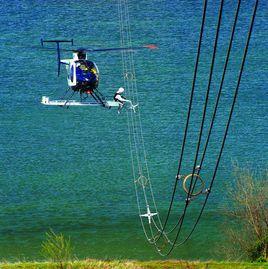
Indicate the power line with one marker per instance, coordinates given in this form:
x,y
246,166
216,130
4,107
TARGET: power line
x,y
137,147
229,119
181,219
188,113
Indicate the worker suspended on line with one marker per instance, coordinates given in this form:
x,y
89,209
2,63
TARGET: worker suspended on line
x,y
118,97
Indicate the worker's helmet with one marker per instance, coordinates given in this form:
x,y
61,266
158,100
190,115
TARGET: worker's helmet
x,y
120,90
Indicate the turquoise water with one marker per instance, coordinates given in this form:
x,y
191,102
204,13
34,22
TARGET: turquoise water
x,y
70,170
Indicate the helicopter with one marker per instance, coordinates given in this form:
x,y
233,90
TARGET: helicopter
x,y
82,75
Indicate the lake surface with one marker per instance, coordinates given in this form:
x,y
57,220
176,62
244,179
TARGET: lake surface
x,y
70,169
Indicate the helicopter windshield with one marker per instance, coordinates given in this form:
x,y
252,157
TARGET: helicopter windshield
x,y
86,67
87,73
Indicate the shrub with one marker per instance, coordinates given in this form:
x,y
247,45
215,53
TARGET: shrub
x,y
57,249
248,211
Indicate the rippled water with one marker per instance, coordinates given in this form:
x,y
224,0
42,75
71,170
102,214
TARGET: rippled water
x,y
70,170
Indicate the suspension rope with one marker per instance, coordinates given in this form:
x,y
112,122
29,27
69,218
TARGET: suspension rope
x,y
133,121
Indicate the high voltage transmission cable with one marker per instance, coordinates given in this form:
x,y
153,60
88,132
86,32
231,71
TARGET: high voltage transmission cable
x,y
232,106
220,90
231,110
141,174
215,108
188,115
181,218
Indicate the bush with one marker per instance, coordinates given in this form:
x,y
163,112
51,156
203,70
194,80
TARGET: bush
x,y
247,209
57,249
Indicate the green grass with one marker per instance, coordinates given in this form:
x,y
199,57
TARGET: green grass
x,y
129,264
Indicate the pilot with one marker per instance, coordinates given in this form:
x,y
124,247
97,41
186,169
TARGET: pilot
x,y
84,74
81,55
121,100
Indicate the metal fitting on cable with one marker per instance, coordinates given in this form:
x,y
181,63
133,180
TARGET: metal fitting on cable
x,y
207,190
188,200
178,177
198,168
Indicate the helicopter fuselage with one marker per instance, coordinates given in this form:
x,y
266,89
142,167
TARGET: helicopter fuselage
x,y
82,74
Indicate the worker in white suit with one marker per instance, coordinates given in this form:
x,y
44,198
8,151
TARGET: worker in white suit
x,y
118,97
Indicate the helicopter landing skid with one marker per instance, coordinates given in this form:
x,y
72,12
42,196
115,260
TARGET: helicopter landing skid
x,y
45,101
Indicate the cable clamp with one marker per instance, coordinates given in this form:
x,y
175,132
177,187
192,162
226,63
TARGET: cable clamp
x,y
178,177
188,200
198,168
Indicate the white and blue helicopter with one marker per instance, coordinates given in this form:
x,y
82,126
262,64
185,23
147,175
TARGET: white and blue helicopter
x,y
82,76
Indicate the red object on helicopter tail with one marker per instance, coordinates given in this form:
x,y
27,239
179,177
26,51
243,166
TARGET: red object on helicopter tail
x,y
151,46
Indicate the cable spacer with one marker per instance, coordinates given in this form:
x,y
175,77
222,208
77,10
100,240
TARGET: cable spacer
x,y
197,178
129,76
142,180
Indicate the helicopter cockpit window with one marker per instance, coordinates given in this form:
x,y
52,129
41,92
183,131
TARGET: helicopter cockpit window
x,y
83,68
93,68
87,74
85,71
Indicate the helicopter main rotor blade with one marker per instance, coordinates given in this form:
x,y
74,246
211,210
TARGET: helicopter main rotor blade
x,y
150,46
